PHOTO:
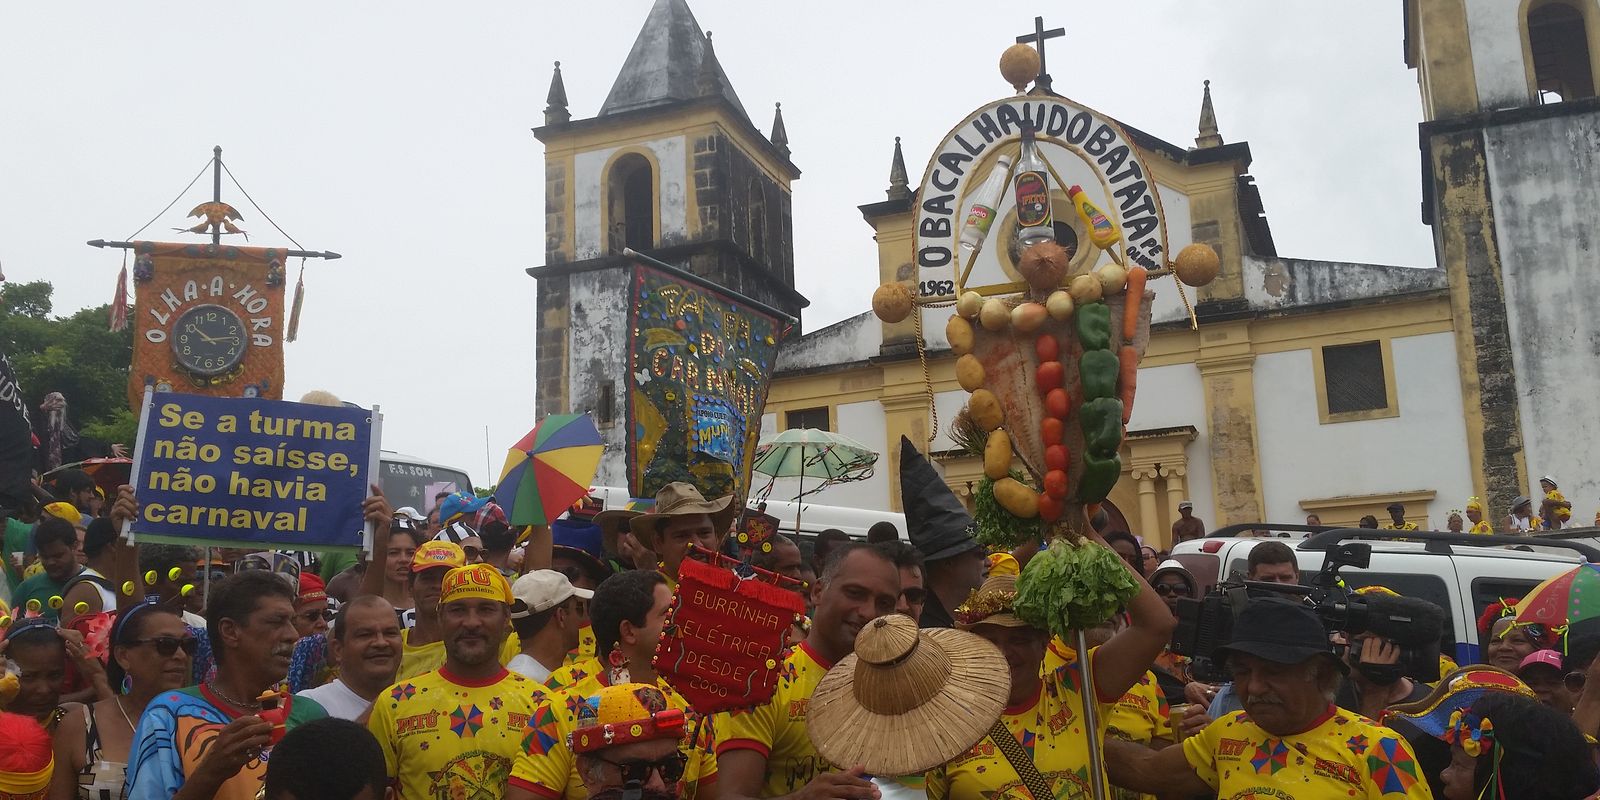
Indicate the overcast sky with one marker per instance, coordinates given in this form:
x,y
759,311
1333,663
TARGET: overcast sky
x,y
397,133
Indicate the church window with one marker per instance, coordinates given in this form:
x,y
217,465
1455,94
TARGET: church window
x,y
606,413
630,204
807,418
1558,42
758,222
1355,381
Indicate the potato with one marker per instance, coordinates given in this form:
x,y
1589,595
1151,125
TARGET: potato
x,y
1085,289
1020,500
1113,279
997,455
1027,317
958,332
1043,265
994,316
892,302
985,410
1059,304
969,304
969,372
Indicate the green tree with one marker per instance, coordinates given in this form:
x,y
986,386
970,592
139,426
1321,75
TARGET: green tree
x,y
75,355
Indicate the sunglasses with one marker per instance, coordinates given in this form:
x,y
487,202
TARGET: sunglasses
x,y
472,552
1170,589
670,767
166,646
313,615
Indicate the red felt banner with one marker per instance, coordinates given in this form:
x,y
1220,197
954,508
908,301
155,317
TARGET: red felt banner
x,y
725,636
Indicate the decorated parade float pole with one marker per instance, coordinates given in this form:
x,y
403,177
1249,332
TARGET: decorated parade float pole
x,y
1039,222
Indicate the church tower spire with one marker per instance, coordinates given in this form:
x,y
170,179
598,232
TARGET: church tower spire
x,y
555,110
1209,135
899,183
707,81
780,134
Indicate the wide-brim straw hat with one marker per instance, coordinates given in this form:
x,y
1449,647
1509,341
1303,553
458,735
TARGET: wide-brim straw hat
x,y
682,500
907,700
993,603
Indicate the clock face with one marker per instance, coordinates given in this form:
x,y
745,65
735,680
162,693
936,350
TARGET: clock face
x,y
208,340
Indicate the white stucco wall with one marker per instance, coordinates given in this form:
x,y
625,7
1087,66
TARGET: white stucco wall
x,y
599,341
1497,65
1170,397
588,186
1544,179
1423,448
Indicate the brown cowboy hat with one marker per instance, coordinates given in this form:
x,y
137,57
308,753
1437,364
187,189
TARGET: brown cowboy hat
x,y
682,500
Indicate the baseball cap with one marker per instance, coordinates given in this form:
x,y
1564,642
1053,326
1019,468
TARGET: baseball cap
x,y
410,513
542,590
1549,658
626,712
438,554
1394,507
1185,504
475,582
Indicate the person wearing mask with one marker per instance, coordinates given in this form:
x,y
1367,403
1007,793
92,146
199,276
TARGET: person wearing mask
x,y
57,543
681,519
941,529
546,619
1187,526
1045,702
208,740
764,751
909,561
630,612
366,645
1291,741
327,759
455,731
151,652
1506,747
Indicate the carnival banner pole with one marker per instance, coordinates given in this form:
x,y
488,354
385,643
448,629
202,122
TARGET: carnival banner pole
x,y
1091,721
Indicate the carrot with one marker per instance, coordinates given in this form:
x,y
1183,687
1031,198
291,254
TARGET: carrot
x,y
1127,378
1133,298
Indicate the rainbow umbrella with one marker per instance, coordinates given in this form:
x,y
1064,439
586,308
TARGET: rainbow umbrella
x,y
549,469
1564,599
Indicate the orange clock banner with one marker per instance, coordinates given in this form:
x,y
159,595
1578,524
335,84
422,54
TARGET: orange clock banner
x,y
208,320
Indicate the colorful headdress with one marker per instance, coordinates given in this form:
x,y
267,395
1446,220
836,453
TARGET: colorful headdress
x,y
1438,713
1474,504
993,603
1472,732
628,712
28,760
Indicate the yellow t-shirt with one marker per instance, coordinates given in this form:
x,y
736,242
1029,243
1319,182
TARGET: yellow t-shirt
x,y
546,765
417,659
1049,729
585,648
444,736
1408,526
777,728
1344,755
1483,525
1142,715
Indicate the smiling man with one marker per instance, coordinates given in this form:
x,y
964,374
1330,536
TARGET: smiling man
x,y
366,646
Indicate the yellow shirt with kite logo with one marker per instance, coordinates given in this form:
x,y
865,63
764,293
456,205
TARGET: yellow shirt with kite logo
x,y
1343,755
546,765
777,728
446,736
1142,715
1049,729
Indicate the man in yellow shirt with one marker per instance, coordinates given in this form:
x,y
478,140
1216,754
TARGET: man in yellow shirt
x,y
765,751
629,612
1475,516
1290,742
422,644
628,738
1397,518
455,731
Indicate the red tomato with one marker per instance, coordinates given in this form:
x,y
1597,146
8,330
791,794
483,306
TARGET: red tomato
x,y
1052,430
1049,376
1050,509
1055,403
1055,483
1055,458
1047,347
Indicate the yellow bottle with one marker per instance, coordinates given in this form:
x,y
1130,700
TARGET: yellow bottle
x,y
1102,230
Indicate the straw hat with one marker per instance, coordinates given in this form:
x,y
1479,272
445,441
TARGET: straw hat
x,y
906,700
991,604
682,500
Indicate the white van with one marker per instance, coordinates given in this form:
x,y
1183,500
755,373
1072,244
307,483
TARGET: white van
x,y
1462,574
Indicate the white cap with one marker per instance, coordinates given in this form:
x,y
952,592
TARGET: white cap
x,y
408,511
542,590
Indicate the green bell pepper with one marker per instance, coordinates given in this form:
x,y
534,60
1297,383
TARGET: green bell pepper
x,y
1099,475
1097,371
1101,420
1094,326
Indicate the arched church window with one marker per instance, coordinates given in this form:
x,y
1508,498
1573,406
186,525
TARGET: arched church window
x,y
758,221
1558,42
630,204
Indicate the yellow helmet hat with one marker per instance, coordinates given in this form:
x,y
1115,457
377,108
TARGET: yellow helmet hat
x,y
476,581
1002,564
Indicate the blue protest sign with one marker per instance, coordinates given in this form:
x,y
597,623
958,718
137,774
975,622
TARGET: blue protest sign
x,y
248,472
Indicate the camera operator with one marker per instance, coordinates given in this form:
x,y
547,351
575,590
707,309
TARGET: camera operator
x,y
1290,740
1390,661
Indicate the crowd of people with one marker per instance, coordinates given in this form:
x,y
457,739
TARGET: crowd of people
x,y
464,658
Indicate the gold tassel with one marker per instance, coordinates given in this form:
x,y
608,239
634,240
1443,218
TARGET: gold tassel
x,y
299,300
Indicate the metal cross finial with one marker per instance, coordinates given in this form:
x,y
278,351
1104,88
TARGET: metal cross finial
x,y
1037,39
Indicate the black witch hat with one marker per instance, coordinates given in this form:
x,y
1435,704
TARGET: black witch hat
x,y
938,524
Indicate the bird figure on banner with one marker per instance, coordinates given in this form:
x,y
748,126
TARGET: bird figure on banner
x,y
219,218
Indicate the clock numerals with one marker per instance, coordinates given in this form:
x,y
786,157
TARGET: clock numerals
x,y
209,340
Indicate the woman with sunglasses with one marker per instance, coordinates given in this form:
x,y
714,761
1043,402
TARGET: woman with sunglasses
x,y
1172,581
151,649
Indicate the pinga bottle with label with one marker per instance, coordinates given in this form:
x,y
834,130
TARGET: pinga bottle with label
x,y
1032,186
985,203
